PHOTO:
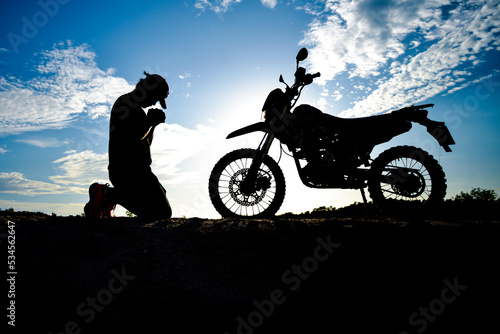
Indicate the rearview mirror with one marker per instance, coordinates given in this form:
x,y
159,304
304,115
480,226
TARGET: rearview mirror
x,y
302,55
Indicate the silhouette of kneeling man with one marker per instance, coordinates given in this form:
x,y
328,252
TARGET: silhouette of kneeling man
x,y
136,188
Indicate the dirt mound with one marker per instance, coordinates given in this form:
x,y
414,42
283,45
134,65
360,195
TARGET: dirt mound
x,y
127,275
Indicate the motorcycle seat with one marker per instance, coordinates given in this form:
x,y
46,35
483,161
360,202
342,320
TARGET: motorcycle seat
x,y
340,124
362,131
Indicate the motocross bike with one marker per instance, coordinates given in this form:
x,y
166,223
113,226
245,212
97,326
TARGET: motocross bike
x,y
329,152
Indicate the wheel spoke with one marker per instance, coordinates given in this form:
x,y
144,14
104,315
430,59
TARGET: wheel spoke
x,y
406,179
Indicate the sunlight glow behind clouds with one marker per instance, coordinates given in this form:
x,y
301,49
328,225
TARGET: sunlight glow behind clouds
x,y
172,145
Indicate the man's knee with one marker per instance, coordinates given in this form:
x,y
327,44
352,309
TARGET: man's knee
x,y
162,211
166,213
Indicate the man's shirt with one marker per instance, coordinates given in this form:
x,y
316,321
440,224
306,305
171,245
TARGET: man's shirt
x,y
128,125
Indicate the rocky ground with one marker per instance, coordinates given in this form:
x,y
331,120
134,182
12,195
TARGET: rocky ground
x,y
336,275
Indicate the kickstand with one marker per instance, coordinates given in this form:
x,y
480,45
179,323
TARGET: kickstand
x,y
364,200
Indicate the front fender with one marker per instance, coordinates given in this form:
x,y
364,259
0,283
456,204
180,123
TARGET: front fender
x,y
261,126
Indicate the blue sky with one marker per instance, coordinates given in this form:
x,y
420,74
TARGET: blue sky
x,y
63,63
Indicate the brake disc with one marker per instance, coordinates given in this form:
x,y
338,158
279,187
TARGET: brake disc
x,y
238,196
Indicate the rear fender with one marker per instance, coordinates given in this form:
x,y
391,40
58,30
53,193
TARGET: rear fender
x,y
440,132
261,126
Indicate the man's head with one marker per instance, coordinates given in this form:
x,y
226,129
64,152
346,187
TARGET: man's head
x,y
151,89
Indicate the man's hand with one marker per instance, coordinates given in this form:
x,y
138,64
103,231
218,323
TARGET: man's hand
x,y
156,116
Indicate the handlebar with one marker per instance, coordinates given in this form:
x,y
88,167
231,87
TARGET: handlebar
x,y
301,80
308,78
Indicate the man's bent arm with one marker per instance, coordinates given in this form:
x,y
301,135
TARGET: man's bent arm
x,y
149,134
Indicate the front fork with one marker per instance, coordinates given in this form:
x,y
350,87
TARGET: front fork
x,y
248,185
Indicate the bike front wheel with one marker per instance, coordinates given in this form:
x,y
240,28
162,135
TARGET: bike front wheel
x,y
226,180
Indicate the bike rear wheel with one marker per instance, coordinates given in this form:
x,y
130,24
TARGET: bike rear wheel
x,y
225,186
406,177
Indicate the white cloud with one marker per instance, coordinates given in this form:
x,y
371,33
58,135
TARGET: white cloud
x,y
359,34
364,37
81,168
469,83
269,3
3,150
217,6
43,142
222,6
414,44
172,145
69,83
17,183
431,72
337,95
78,171
315,8
59,208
